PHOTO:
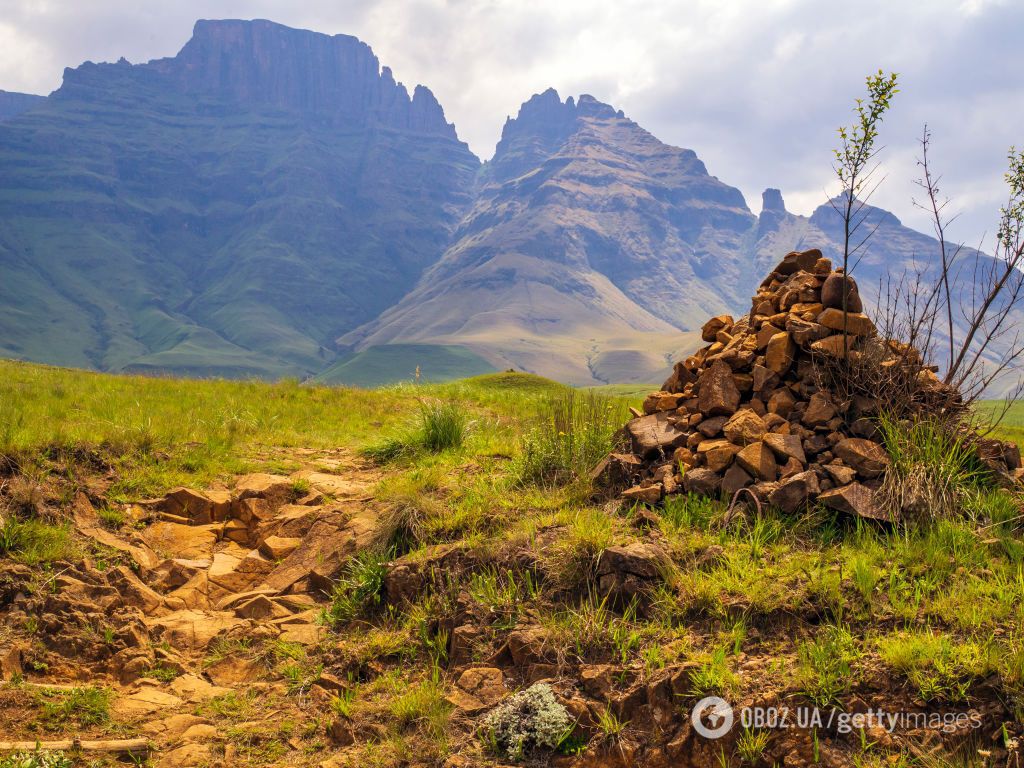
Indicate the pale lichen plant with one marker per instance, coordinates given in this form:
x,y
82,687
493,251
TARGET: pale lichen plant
x,y
527,720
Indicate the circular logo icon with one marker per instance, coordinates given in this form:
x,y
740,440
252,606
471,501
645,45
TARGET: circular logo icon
x,y
712,717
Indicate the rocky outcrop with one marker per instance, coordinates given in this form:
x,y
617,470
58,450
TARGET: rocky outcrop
x,y
750,411
13,104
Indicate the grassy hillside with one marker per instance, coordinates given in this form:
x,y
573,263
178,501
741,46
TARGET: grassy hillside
x,y
483,484
394,363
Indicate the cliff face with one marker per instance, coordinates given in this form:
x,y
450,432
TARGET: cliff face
x,y
13,104
229,211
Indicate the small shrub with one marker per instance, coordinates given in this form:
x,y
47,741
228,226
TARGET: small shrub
x,y
575,433
684,511
610,726
443,427
933,470
527,720
751,744
162,672
826,665
360,587
424,706
865,577
111,518
343,705
713,676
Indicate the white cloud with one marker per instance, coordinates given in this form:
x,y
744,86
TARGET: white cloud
x,y
756,88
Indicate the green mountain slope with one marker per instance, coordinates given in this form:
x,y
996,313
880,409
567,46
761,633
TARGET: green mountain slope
x,y
223,212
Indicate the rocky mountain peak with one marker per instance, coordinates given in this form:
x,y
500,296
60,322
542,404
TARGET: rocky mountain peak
x,y
264,64
771,200
827,217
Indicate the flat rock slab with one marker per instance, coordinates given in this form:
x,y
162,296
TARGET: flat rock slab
x,y
654,432
194,689
146,701
338,486
188,542
191,628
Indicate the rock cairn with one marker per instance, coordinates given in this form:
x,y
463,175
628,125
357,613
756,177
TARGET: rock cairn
x,y
748,411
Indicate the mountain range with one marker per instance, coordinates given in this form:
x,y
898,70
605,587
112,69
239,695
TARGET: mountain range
x,y
270,202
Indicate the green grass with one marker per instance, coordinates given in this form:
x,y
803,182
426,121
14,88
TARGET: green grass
x,y
828,665
84,707
820,603
34,541
158,433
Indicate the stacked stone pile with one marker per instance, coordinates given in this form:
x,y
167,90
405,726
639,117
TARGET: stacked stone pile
x,y
749,411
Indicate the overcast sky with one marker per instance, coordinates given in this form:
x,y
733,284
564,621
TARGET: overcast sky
x,y
757,89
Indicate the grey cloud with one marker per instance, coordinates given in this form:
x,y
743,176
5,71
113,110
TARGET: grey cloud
x,y
756,88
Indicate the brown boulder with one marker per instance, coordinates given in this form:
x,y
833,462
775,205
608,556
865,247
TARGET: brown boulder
x,y
702,481
758,460
857,324
276,489
796,261
734,479
865,456
711,328
839,473
781,402
713,426
718,395
477,689
786,447
853,499
804,332
650,494
625,572
654,433
279,547
819,411
795,492
833,346
832,292
717,454
744,427
778,356
765,335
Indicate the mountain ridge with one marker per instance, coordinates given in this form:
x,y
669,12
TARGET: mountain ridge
x,y
271,202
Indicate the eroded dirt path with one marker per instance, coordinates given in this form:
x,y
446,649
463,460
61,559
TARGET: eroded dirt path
x,y
167,622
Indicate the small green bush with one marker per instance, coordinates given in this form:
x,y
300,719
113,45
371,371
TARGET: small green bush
x,y
360,588
939,667
826,665
527,720
443,426
33,541
575,433
77,706
933,470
